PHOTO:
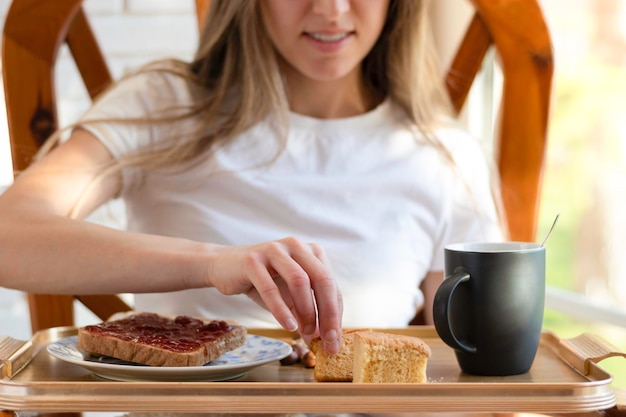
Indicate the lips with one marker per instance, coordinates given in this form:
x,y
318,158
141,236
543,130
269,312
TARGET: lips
x,y
329,41
329,37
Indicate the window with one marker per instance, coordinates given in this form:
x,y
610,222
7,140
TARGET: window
x,y
587,146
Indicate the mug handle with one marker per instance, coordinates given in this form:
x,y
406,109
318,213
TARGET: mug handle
x,y
441,310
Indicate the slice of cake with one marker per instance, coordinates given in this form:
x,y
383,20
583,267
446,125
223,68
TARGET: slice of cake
x,y
336,367
383,357
156,340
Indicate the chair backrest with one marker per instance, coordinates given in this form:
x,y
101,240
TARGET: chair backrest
x,y
522,40
35,30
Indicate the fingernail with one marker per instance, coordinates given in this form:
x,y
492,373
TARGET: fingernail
x,y
291,324
330,336
332,347
309,329
331,342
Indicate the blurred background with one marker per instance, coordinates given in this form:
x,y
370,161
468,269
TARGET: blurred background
x,y
585,175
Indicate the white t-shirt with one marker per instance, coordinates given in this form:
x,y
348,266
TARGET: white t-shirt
x,y
382,201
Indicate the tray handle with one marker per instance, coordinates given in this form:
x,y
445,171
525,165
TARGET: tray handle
x,y
582,350
14,355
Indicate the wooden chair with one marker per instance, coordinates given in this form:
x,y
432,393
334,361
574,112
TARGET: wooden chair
x,y
34,31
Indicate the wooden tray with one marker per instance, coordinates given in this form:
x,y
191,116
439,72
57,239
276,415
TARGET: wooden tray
x,y
564,378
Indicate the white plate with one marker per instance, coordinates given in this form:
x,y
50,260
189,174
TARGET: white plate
x,y
257,351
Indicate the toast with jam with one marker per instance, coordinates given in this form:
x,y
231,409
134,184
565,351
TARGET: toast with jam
x,y
156,340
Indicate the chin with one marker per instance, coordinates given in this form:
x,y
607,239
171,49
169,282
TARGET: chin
x,y
330,73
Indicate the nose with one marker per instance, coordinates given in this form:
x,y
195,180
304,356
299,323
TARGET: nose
x,y
331,8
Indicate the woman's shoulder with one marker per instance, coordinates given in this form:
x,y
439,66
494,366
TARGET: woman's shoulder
x,y
163,80
460,143
150,90
453,134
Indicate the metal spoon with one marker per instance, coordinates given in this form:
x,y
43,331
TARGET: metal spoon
x,y
550,231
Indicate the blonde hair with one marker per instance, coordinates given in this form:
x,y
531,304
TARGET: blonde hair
x,y
237,67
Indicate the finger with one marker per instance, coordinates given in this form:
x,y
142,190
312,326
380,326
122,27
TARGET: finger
x,y
253,294
328,298
288,299
285,293
330,310
292,260
270,295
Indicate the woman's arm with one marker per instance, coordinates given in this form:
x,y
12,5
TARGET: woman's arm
x,y
429,287
44,251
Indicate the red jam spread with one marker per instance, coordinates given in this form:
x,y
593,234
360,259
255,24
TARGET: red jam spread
x,y
182,334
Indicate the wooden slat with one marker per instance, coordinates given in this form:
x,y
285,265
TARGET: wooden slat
x,y
28,55
104,305
21,111
48,311
202,9
86,52
467,62
523,42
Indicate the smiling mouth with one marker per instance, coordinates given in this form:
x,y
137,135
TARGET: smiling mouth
x,y
325,37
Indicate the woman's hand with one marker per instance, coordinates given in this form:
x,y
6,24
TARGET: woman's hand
x,y
292,279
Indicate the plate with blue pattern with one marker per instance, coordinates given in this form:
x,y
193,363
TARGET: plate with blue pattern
x,y
257,351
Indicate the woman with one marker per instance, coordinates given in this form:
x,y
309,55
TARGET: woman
x,y
297,122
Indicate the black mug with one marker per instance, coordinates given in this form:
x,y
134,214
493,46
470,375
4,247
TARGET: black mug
x,y
489,308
